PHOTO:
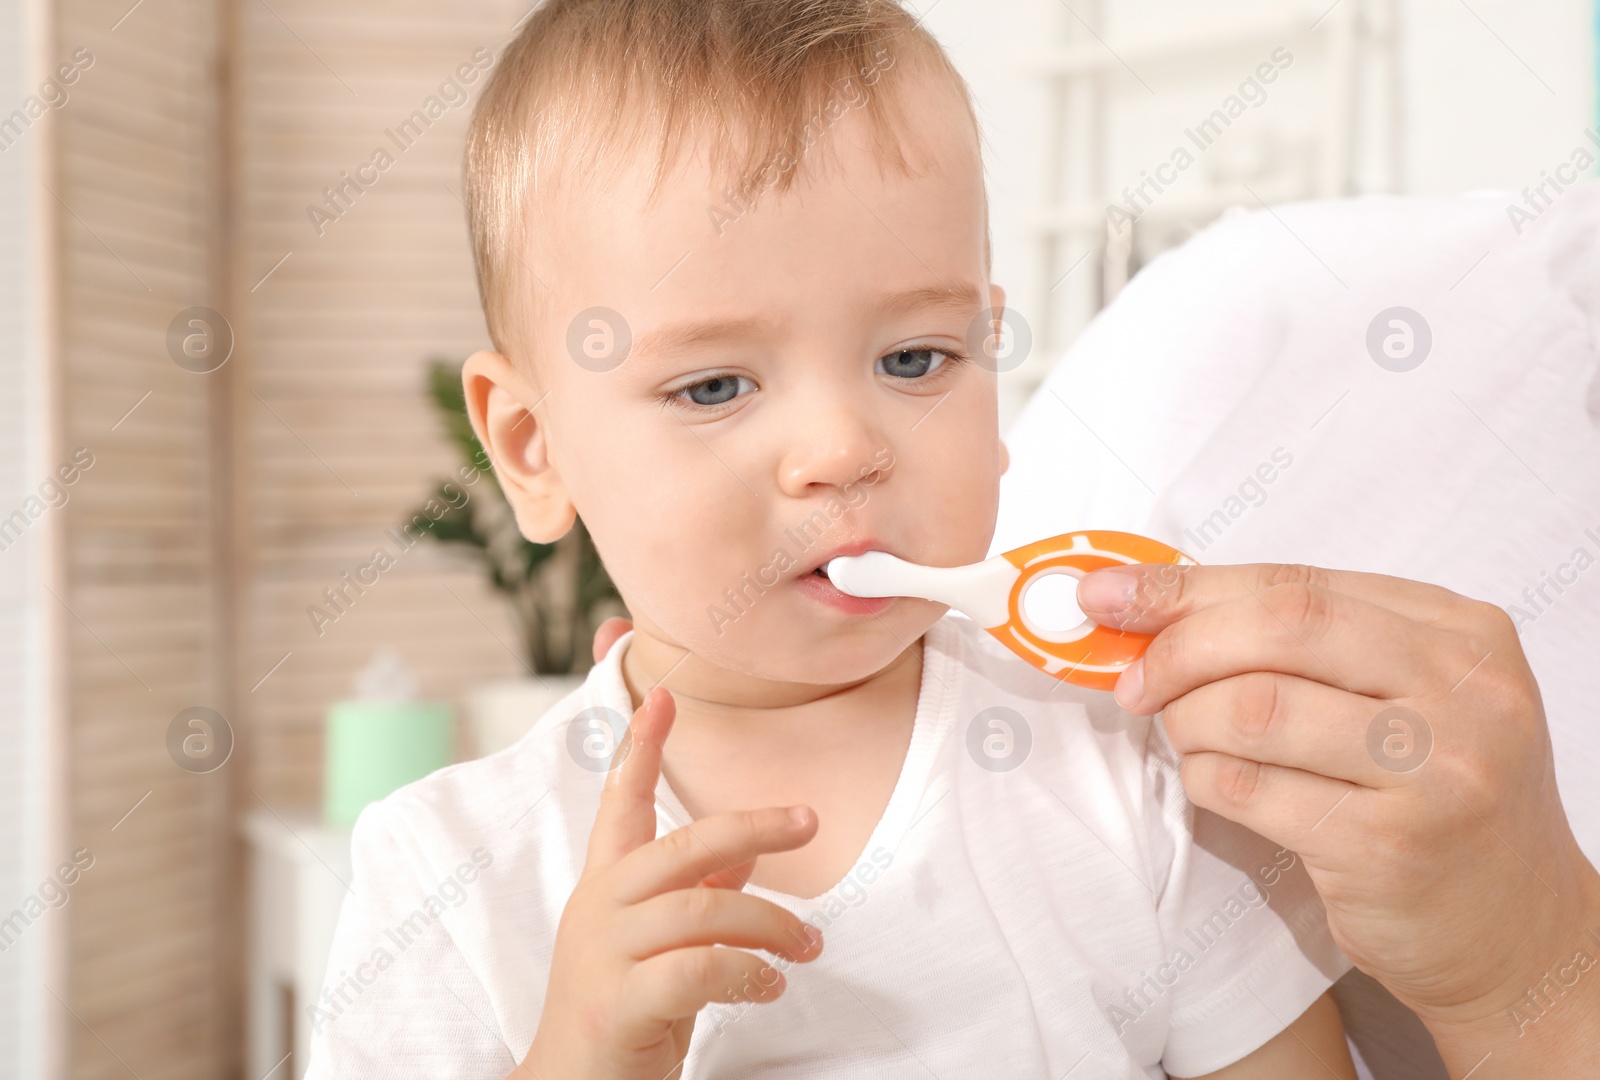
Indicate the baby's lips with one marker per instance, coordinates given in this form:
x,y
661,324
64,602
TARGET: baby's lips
x,y
840,551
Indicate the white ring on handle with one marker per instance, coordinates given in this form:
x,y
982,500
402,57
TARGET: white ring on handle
x,y
1060,637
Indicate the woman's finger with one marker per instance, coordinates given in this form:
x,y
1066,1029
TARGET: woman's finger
x,y
1297,723
1287,806
1304,630
1148,597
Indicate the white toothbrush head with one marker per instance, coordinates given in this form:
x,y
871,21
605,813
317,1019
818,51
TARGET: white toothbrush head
x,y
978,590
866,575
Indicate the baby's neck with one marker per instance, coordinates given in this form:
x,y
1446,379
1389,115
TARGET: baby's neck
x,y
739,744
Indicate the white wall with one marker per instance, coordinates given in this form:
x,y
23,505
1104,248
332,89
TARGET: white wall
x,y
1491,94
985,38
1492,105
22,562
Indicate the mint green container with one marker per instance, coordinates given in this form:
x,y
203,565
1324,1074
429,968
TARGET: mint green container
x,y
375,747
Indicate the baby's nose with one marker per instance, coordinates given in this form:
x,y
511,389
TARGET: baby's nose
x,y
833,454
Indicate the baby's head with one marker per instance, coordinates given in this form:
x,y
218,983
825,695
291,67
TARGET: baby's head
x,y
734,260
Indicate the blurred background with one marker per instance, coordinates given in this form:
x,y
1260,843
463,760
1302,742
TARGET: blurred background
x,y
251,575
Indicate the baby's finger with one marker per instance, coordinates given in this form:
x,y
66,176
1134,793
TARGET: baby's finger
x,y
607,634
675,985
627,816
684,918
718,843
735,878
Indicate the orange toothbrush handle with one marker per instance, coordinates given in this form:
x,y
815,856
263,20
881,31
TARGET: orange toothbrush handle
x,y
1087,655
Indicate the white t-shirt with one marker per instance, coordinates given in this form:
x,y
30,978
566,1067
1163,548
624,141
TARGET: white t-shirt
x,y
1039,899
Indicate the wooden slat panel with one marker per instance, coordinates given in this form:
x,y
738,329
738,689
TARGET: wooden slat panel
x,y
339,444
135,153
341,333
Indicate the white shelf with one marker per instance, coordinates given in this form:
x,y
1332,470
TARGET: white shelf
x,y
299,870
1113,53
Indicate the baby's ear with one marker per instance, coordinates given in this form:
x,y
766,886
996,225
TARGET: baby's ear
x,y
501,405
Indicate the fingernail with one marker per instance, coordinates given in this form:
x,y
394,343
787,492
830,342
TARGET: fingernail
x,y
1107,591
800,815
1130,685
813,936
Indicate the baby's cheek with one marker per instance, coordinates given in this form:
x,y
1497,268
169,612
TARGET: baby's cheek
x,y
957,519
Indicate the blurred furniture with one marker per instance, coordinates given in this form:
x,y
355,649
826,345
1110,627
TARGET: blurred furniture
x,y
1329,126
299,870
375,747
501,711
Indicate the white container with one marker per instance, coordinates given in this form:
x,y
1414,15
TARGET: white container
x,y
502,711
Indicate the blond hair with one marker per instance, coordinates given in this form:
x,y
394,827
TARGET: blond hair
x,y
760,77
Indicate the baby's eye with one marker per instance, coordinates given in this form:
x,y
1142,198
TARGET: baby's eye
x,y
915,363
709,393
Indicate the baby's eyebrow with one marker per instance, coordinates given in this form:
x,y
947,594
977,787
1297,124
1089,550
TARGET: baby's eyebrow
x,y
963,297
668,339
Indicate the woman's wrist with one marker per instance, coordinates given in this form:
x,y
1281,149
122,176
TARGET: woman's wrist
x,y
1543,1019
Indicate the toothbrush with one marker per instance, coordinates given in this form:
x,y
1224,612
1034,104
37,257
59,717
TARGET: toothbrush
x,y
991,594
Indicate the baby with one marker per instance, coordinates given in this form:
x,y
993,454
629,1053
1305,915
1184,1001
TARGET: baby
x,y
734,259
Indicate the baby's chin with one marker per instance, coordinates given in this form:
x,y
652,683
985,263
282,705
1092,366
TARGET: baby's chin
x,y
824,651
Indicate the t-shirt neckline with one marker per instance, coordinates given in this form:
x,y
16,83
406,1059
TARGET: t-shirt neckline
x,y
936,698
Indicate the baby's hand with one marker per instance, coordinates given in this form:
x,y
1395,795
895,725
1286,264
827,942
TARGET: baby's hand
x,y
636,953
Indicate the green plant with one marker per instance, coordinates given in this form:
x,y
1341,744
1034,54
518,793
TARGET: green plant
x,y
558,592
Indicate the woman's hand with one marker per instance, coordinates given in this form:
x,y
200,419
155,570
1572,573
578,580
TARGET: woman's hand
x,y
1392,733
